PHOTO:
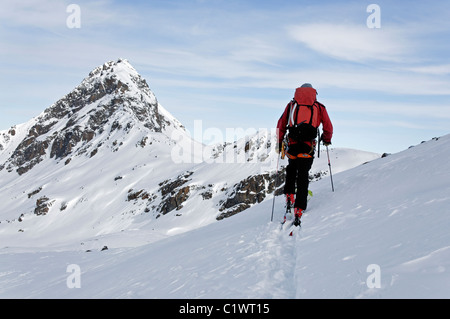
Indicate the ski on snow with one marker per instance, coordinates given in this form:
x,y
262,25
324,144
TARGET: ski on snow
x,y
291,227
290,219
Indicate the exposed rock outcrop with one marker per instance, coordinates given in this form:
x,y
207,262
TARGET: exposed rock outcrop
x,y
43,205
251,190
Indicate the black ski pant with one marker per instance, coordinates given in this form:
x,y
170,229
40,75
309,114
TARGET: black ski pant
x,y
297,174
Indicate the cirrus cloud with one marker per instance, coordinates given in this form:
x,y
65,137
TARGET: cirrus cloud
x,y
353,42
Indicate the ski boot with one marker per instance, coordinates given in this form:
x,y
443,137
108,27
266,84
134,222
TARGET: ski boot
x,y
289,205
290,201
298,212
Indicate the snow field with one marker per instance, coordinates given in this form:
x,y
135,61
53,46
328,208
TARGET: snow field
x,y
387,223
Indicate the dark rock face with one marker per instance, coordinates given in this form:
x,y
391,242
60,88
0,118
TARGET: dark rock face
x,y
171,193
62,145
174,193
43,205
250,191
28,154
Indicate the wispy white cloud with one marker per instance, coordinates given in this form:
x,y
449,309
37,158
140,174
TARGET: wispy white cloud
x,y
351,78
41,14
423,111
52,15
354,42
442,69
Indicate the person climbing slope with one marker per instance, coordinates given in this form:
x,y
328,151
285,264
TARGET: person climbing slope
x,y
300,121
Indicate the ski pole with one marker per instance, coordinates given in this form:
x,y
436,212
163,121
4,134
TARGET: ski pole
x,y
329,165
276,181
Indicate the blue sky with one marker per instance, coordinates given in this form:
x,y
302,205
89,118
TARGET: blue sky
x,y
236,64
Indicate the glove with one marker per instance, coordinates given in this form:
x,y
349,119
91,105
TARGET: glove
x,y
324,142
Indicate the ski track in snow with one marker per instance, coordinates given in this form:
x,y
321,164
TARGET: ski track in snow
x,y
275,262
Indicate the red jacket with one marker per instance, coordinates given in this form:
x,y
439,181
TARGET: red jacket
x,y
305,96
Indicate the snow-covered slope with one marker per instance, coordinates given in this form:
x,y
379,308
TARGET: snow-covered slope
x,y
387,223
393,213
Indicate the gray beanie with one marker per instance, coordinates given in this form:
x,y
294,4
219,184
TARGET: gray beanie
x,y
307,85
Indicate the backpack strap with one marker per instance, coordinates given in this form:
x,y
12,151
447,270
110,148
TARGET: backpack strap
x,y
289,115
297,107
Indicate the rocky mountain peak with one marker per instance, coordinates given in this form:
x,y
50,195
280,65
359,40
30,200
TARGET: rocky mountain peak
x,y
113,85
113,97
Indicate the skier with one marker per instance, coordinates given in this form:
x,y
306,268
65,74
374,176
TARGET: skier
x,y
301,120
